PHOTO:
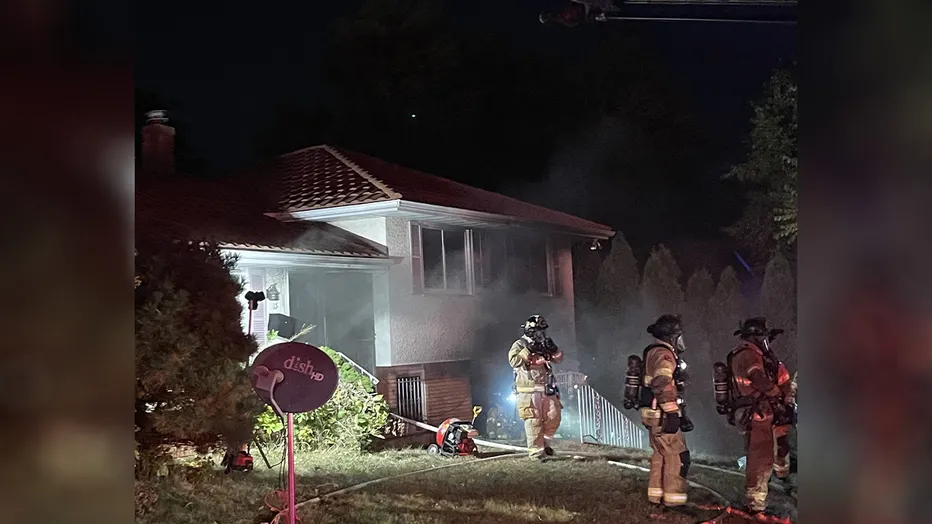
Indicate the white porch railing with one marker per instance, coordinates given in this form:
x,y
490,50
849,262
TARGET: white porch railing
x,y
567,379
359,368
597,421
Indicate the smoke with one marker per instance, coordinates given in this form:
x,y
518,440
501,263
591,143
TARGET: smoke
x,y
495,324
582,172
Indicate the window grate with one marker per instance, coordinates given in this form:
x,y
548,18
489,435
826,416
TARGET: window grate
x,y
411,397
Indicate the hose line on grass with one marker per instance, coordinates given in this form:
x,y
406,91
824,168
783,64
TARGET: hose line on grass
x,y
362,485
725,509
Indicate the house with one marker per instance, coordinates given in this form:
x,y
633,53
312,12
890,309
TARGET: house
x,y
422,281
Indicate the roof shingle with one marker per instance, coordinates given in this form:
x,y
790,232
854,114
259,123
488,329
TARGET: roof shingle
x,y
317,178
230,213
322,177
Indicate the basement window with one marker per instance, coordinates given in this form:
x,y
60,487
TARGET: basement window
x,y
411,397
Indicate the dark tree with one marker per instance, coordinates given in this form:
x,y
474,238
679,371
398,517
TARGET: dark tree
x,y
699,290
707,438
726,312
614,320
769,173
617,282
778,304
191,352
660,289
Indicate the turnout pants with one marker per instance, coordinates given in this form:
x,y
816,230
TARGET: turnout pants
x,y
541,415
669,464
768,450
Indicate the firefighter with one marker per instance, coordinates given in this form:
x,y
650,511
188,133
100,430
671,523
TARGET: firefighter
x,y
669,464
765,382
536,396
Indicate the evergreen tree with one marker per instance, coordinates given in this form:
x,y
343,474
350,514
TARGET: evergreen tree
x,y
191,352
769,173
585,273
617,283
700,403
726,312
615,317
699,290
778,304
660,289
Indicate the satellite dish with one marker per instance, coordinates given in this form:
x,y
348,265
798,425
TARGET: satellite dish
x,y
294,377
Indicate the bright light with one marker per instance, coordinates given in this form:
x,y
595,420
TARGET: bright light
x,y
413,115
575,386
512,398
682,365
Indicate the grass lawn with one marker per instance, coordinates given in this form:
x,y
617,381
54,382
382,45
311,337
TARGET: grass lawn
x,y
507,490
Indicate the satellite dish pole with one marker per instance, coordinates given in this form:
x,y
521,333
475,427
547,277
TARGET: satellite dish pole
x,y
293,377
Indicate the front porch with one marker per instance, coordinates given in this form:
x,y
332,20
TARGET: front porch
x,y
345,299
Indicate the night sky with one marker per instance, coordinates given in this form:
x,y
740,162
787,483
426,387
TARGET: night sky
x,y
226,66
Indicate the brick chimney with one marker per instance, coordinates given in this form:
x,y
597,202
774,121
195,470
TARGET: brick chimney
x,y
158,143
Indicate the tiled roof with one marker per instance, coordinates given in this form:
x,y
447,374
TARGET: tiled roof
x,y
230,212
318,178
323,177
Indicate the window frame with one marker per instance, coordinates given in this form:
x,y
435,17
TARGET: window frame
x,y
417,261
422,383
548,254
509,271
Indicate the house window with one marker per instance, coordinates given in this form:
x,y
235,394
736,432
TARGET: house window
x,y
410,392
529,265
522,263
491,259
440,259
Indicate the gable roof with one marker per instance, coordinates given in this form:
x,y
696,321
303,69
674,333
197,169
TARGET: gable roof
x,y
322,177
225,211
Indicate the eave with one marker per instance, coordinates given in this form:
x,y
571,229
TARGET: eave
x,y
440,214
266,258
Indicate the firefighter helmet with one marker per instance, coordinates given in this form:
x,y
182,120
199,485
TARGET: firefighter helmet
x,y
667,327
756,327
533,324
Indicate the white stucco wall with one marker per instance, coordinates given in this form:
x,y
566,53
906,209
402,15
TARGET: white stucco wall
x,y
369,228
435,327
374,229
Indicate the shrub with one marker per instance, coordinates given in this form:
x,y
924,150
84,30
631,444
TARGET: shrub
x,y
191,382
348,420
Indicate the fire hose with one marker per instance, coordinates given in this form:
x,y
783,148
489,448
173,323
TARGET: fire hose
x,y
366,484
726,509
508,447
519,452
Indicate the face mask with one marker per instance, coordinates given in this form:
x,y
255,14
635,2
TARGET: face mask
x,y
680,344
